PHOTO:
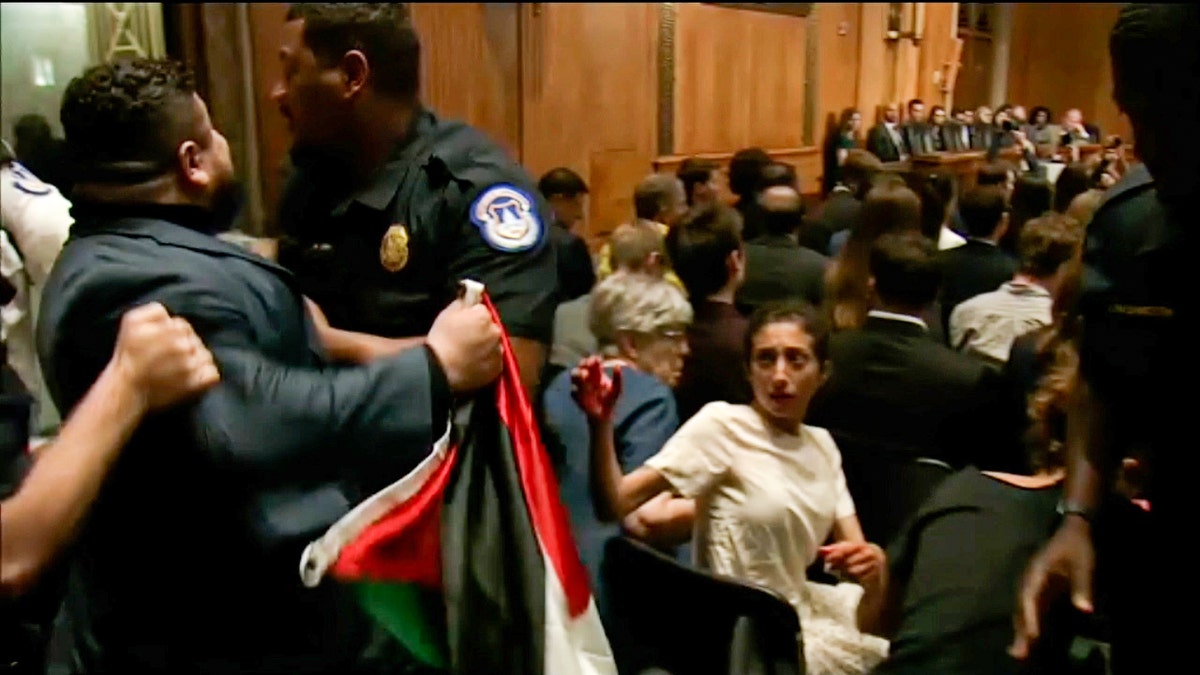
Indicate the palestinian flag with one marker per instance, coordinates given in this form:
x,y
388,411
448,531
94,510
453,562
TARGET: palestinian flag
x,y
469,560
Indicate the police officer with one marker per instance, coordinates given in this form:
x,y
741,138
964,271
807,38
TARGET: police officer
x,y
1133,392
390,206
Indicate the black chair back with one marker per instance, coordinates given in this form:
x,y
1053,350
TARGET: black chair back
x,y
888,484
689,622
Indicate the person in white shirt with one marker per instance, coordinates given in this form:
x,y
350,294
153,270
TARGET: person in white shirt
x,y
768,489
986,325
36,220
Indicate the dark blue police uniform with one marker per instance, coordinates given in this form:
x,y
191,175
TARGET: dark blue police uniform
x,y
189,561
1131,355
449,204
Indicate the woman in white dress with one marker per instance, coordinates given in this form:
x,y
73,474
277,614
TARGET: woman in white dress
x,y
768,490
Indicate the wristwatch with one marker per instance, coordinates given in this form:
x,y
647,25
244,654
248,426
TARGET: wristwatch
x,y
1070,508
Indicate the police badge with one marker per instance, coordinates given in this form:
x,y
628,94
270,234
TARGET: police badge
x,y
393,249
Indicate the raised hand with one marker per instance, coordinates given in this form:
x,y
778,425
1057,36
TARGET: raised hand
x,y
594,391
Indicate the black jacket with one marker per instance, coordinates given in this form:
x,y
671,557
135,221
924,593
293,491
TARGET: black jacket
x,y
779,268
894,387
882,145
971,269
576,274
189,561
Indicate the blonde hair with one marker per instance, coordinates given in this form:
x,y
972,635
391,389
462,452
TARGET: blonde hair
x,y
633,243
631,301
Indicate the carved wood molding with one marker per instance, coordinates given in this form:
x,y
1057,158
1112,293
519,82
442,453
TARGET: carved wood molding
x,y
666,78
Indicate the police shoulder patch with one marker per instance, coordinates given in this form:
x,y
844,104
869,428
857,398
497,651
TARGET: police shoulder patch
x,y
28,183
507,218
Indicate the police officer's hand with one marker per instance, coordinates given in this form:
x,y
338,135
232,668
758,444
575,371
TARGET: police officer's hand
x,y
467,343
160,358
1064,564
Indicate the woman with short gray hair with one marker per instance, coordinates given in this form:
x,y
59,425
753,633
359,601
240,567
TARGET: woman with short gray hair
x,y
640,324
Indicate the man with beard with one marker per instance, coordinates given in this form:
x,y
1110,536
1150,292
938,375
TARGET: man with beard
x,y
391,206
188,561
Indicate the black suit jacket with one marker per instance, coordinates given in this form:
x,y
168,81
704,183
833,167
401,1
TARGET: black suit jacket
x,y
881,144
918,136
894,388
840,211
576,275
982,136
952,137
189,561
779,268
971,269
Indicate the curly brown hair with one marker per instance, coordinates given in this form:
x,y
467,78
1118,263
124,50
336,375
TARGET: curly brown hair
x,y
124,120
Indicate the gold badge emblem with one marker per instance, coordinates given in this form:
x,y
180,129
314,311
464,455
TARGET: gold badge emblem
x,y
393,250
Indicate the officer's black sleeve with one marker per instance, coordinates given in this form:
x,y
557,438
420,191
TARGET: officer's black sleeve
x,y
522,284
266,417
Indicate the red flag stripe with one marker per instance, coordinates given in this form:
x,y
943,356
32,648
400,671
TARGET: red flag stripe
x,y
540,484
404,546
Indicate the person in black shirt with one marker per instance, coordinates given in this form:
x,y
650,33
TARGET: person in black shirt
x,y
777,267
1135,307
390,206
567,193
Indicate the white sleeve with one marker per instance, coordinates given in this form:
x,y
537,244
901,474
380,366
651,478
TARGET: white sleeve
x,y
698,455
38,218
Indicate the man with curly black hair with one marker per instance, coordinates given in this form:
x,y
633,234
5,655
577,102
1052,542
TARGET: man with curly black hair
x,y
187,564
390,206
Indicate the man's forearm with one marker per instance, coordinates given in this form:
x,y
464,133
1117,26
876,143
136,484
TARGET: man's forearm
x,y
531,356
346,346
41,517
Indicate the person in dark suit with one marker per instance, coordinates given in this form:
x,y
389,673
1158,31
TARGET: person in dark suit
x,y
840,211
884,140
983,129
916,130
567,194
980,265
895,389
938,121
777,266
261,464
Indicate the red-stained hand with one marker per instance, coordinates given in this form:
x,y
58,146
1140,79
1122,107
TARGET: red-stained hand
x,y
861,561
594,391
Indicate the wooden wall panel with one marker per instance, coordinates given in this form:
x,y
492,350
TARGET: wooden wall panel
x,y
837,54
874,78
266,28
937,49
739,79
589,99
1046,69
470,65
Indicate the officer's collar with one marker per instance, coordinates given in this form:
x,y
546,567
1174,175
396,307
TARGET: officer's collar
x,y
379,191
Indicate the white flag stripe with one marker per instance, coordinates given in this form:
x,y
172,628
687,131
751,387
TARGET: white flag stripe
x,y
319,555
572,646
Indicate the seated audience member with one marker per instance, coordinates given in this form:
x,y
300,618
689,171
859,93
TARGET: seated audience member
x,y
768,489
948,599
1075,132
842,207
639,323
1000,173
1073,180
937,200
777,267
634,248
773,174
567,194
937,124
1031,197
884,140
978,266
838,240
1044,134
894,387
745,171
890,207
1084,206
844,138
706,251
987,324
918,135
984,131
699,178
659,201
